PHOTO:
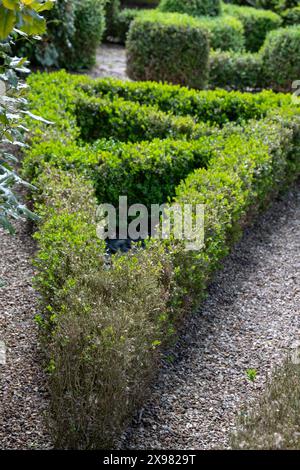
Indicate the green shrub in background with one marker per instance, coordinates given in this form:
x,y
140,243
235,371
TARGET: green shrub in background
x,y
75,29
139,3
257,23
212,107
148,171
54,51
112,10
238,71
291,16
191,7
226,32
17,19
281,58
122,23
276,5
89,27
169,47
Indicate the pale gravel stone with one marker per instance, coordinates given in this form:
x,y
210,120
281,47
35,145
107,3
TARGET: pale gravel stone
x,y
2,354
250,319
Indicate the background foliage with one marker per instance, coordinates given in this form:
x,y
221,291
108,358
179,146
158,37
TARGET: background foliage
x,y
16,18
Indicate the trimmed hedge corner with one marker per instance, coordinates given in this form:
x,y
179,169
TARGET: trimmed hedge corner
x,y
171,47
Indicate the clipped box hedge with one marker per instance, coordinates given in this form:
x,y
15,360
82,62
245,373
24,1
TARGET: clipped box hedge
x,y
238,71
257,23
281,58
169,47
212,107
105,321
151,53
191,7
127,121
225,32
291,16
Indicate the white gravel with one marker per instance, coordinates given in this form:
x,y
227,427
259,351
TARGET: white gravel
x,y
23,397
249,320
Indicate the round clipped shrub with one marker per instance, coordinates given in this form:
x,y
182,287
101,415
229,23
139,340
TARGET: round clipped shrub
x,y
281,58
168,47
291,16
226,33
235,71
257,23
192,7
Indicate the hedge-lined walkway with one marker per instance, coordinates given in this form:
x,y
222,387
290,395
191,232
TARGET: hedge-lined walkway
x,y
23,399
249,320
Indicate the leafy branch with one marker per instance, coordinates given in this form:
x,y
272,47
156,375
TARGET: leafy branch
x,y
17,18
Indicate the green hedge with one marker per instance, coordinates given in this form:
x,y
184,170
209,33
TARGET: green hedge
x,y
281,58
122,23
251,165
127,121
276,66
291,16
105,324
257,23
149,171
191,7
89,27
151,52
169,47
112,9
226,32
235,71
212,107
104,321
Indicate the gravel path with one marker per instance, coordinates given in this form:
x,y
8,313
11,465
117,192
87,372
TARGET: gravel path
x,y
110,62
249,320
23,398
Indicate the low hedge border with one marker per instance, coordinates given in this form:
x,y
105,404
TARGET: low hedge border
x,y
216,107
105,321
191,7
